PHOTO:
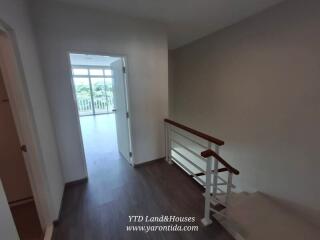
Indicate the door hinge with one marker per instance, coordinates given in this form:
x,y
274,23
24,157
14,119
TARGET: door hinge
x,y
130,154
124,69
127,114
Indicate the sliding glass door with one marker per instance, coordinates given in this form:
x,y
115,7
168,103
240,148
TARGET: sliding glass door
x,y
93,88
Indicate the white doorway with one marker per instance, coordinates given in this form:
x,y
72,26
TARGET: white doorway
x,y
14,175
24,188
101,95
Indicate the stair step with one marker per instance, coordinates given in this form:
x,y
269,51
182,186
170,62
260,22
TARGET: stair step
x,y
234,198
218,207
255,216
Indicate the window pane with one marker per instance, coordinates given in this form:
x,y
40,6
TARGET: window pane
x,y
81,80
109,92
108,81
101,103
82,86
80,71
96,72
98,88
83,93
108,72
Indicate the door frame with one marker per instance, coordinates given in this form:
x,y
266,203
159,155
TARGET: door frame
x,y
75,105
15,84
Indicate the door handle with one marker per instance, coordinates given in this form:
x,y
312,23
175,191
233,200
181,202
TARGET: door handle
x,y
23,148
114,110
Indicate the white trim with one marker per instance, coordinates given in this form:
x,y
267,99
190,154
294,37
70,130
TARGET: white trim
x,y
48,233
14,81
92,76
126,86
90,66
75,108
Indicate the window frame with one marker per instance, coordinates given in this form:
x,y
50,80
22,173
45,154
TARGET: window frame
x,y
89,76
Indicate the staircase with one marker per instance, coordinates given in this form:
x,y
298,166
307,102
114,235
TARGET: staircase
x,y
249,216
253,216
198,154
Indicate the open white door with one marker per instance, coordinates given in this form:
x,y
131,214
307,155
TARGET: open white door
x,y
7,227
121,108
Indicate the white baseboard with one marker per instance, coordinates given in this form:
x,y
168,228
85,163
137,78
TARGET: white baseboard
x,y
49,232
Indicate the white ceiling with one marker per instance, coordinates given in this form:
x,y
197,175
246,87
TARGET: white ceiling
x,y
186,20
91,60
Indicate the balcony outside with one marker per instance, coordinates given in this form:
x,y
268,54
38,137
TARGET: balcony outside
x,y
93,88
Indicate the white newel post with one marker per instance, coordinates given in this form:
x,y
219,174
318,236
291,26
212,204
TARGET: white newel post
x,y
229,186
168,143
206,220
215,175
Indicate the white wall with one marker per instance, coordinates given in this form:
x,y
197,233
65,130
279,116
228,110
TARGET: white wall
x,y
256,86
61,28
7,227
14,13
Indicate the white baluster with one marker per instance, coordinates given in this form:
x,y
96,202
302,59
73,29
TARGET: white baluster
x,y
206,220
229,186
215,174
166,141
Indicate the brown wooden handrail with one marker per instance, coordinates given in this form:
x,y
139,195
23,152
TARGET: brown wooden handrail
x,y
209,153
195,132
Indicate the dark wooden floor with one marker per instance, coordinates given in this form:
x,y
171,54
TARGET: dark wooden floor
x,y
27,221
99,209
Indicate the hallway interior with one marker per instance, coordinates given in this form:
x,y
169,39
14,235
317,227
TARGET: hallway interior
x,y
100,208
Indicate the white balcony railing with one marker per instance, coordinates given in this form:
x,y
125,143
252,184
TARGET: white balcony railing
x,y
100,105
